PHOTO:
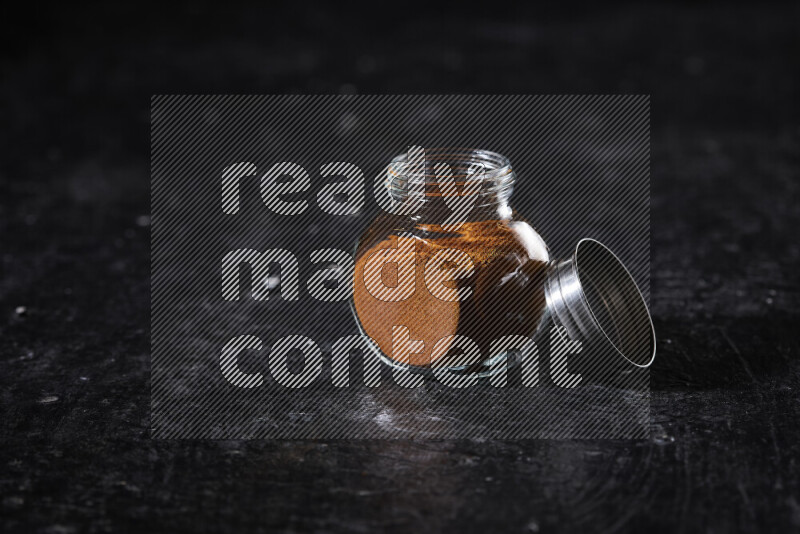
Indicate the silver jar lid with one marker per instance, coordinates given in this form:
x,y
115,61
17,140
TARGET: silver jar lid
x,y
594,297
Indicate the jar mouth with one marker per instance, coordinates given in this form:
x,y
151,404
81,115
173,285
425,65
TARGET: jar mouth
x,y
472,171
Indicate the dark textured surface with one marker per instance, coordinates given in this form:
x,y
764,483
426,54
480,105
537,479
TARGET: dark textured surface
x,y
76,455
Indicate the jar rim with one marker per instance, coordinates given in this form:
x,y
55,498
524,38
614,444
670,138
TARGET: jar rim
x,y
494,163
497,174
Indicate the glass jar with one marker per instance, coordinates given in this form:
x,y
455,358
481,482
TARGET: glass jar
x,y
453,260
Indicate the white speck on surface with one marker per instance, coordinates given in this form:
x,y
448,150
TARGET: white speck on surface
x,y
272,282
384,419
663,439
48,399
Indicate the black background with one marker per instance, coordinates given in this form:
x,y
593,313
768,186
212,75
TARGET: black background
x,y
74,308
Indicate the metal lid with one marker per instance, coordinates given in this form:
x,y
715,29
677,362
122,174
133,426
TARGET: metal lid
x,y
594,297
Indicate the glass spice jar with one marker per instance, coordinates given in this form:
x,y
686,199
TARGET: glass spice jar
x,y
454,259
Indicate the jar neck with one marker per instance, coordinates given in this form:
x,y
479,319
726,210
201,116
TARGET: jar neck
x,y
455,184
438,212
